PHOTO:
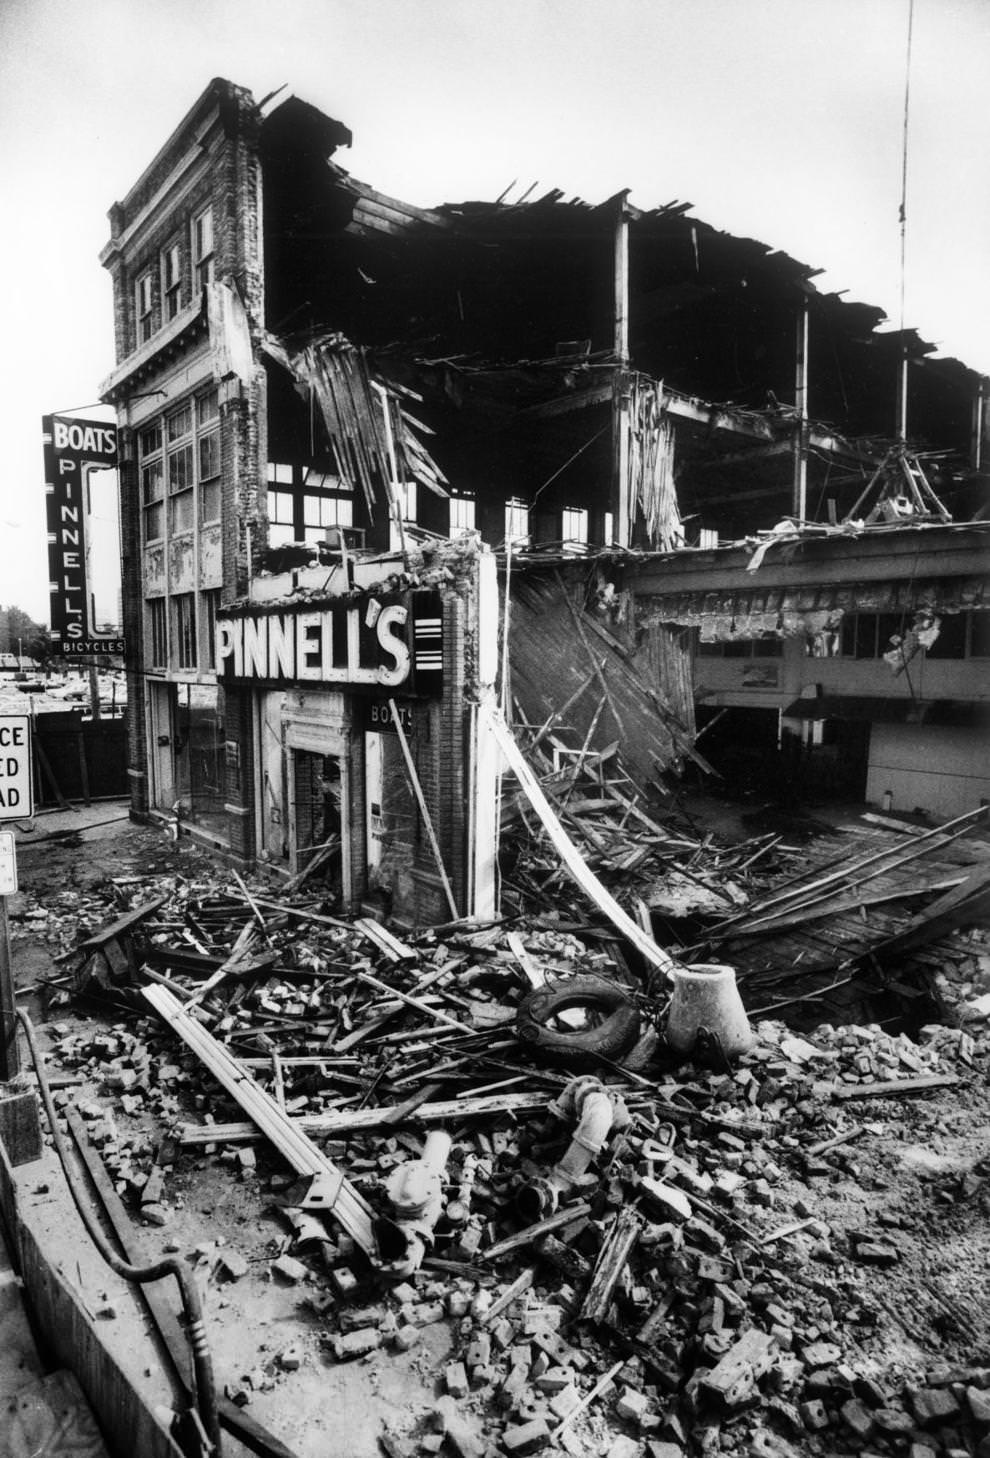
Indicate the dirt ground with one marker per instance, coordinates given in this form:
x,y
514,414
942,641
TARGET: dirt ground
x,y
915,1178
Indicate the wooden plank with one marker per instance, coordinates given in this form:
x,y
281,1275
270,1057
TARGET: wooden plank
x,y
124,923
963,905
348,1208
533,1233
359,1121
883,1088
615,1251
393,948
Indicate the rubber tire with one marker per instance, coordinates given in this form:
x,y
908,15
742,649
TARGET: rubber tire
x,y
609,1039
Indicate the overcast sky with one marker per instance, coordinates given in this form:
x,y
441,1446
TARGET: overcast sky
x,y
777,119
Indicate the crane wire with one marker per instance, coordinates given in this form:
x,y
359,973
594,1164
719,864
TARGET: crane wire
x,y
902,412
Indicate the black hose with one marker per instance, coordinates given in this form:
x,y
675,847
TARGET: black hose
x,y
206,1398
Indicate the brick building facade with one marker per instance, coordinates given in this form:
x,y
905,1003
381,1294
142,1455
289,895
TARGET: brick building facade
x,y
220,461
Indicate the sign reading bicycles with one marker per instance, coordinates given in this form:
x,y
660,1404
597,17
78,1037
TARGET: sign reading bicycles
x,y
72,448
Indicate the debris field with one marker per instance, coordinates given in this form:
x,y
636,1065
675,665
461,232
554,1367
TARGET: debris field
x,y
745,1263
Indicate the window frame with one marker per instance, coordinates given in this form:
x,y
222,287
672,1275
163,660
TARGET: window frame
x,y
462,506
157,637
171,269
144,306
517,511
203,257
184,619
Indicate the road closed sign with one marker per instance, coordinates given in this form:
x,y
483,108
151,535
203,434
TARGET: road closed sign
x,y
16,780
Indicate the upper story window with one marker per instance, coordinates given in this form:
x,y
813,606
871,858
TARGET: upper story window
x,y
179,463
144,306
871,635
303,502
202,248
517,522
171,281
767,645
574,528
208,448
152,475
462,516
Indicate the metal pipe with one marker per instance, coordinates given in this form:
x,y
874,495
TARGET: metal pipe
x,y
206,1404
596,1112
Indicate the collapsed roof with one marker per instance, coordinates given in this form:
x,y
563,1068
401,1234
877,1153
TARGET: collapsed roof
x,y
501,316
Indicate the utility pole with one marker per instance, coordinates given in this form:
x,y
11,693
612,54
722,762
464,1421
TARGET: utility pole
x,y
622,506
799,498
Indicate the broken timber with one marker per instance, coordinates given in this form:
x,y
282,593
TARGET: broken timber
x,y
359,1121
330,1190
565,847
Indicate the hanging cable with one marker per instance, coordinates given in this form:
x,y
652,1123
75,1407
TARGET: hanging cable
x,y
902,392
904,155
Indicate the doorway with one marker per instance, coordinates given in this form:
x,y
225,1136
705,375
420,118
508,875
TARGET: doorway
x,y
317,820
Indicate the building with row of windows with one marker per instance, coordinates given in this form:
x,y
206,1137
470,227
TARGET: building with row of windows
x,y
339,413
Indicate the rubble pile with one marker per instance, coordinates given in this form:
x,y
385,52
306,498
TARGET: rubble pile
x,y
664,1285
679,1299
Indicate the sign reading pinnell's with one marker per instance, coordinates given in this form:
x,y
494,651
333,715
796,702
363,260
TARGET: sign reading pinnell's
x,y
387,643
73,447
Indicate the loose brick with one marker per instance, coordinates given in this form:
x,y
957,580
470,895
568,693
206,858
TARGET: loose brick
x,y
456,1379
858,1417
933,1406
356,1344
978,1401
528,1438
814,1414
623,1448
632,1405
289,1269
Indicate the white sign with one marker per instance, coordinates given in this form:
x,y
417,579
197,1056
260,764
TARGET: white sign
x,y
16,780
8,864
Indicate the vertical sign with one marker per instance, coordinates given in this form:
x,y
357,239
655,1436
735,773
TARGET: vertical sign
x,y
72,447
16,801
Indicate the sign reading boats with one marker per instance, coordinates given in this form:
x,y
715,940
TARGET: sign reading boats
x,y
72,449
382,643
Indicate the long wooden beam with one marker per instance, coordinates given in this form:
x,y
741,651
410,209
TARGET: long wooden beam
x,y
360,1121
348,1207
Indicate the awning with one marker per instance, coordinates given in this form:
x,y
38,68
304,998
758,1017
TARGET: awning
x,y
863,709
